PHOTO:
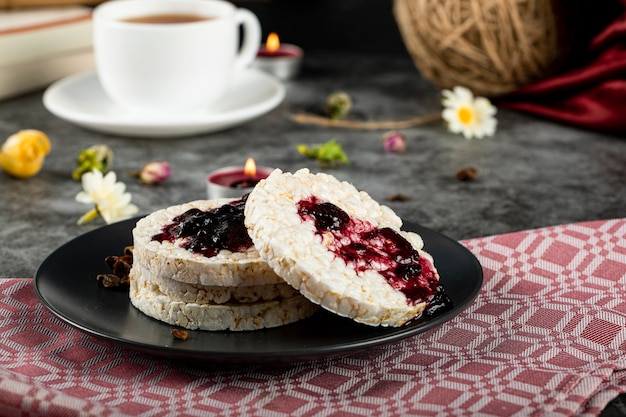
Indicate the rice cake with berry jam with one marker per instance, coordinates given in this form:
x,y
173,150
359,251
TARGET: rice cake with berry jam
x,y
202,242
341,249
194,266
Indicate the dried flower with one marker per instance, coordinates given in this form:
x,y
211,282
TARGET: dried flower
x,y
472,117
328,154
97,157
109,197
394,142
23,153
338,105
112,281
120,267
154,173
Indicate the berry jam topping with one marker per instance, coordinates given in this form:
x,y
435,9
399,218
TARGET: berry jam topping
x,y
439,304
363,247
208,232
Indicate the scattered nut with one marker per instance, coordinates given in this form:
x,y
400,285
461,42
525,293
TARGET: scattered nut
x,y
180,334
398,197
466,174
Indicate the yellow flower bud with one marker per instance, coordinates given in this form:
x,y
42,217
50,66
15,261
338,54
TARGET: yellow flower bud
x,y
23,153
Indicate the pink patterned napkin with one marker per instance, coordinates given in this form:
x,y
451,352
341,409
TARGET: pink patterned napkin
x,y
546,336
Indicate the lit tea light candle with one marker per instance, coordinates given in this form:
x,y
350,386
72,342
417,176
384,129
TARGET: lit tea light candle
x,y
280,60
234,182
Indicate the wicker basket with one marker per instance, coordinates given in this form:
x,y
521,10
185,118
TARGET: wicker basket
x,y
489,46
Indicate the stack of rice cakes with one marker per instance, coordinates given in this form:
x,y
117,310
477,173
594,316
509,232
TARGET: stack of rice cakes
x,y
291,268
229,291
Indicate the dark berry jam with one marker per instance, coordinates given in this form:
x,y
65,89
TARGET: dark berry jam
x,y
363,247
208,232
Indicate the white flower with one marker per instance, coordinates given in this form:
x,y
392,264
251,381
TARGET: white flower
x,y
473,117
109,197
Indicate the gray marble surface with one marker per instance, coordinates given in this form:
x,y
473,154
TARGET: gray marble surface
x,y
532,173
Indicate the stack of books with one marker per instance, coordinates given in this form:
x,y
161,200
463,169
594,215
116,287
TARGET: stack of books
x,y
41,45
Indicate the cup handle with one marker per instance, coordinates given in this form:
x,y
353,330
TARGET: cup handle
x,y
251,38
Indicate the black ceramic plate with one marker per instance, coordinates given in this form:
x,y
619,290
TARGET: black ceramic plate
x,y
66,284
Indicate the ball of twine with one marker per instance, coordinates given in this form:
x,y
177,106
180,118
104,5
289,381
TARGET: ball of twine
x,y
489,46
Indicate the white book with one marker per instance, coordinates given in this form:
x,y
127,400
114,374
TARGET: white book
x,y
33,75
30,34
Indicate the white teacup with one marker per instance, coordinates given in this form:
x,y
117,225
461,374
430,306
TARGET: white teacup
x,y
149,66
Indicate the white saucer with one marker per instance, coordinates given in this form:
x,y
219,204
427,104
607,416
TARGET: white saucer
x,y
80,99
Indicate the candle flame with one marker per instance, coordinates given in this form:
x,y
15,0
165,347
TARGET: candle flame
x,y
249,168
273,43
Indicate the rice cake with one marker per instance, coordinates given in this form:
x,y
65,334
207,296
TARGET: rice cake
x,y
229,290
171,260
308,258
215,294
148,299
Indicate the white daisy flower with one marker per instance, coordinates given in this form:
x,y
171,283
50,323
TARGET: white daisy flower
x,y
472,117
109,197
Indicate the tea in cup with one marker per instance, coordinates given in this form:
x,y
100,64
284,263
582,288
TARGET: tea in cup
x,y
171,56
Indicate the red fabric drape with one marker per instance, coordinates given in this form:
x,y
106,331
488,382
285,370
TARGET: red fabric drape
x,y
590,92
